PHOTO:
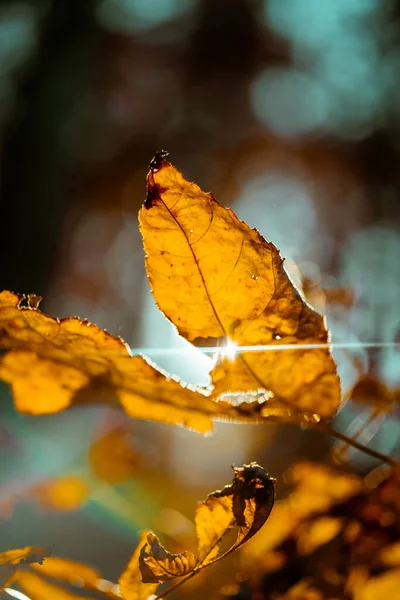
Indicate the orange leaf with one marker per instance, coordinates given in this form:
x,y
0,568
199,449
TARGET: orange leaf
x,y
246,504
53,364
11,559
157,564
217,279
214,517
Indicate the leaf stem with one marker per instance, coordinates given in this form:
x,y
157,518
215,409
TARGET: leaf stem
x,y
328,430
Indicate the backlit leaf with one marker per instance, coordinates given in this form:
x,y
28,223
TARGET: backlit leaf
x,y
53,364
76,574
214,517
130,581
245,503
157,564
72,571
253,495
11,559
38,588
217,279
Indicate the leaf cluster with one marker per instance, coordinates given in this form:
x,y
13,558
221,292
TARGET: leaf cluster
x,y
222,285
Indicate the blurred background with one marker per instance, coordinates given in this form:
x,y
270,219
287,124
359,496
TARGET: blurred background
x,y
287,111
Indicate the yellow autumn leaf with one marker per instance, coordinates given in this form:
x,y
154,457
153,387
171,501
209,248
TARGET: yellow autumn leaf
x,y
11,559
214,517
157,564
53,364
253,496
217,279
38,588
130,581
75,573
246,503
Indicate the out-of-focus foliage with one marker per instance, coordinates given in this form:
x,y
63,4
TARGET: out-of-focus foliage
x,y
333,535
47,580
10,559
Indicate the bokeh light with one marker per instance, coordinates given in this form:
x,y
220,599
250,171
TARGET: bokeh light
x,y
135,16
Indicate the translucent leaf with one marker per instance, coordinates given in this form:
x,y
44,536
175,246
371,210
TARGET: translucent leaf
x,y
214,517
53,364
11,559
157,564
112,457
130,581
217,279
246,503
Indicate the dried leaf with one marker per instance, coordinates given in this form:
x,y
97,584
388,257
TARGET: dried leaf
x,y
156,564
246,503
217,279
53,364
130,581
11,559
76,574
253,495
214,517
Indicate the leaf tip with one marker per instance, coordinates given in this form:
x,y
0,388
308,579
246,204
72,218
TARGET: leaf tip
x,y
158,160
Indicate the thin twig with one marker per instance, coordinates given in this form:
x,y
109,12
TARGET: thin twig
x,y
176,585
328,430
